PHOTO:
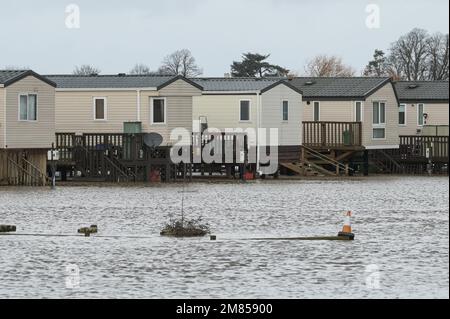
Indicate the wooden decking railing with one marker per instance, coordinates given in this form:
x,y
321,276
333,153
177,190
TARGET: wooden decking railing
x,y
131,147
415,148
332,135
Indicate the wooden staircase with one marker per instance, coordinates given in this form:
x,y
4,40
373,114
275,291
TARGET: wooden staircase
x,y
385,162
101,165
24,173
314,163
301,169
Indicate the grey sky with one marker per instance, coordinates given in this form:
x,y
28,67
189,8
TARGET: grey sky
x,y
116,34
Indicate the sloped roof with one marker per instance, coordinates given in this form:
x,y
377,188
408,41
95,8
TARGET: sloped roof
x,y
242,84
235,84
8,77
422,91
338,87
109,81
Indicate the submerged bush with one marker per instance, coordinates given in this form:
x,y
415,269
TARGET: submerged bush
x,y
185,228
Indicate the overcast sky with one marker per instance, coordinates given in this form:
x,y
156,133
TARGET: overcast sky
x,y
116,34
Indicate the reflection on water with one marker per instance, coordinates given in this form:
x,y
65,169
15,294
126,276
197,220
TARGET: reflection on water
x,y
401,248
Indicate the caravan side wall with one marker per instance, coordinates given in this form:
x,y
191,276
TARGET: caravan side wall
x,y
30,134
437,115
385,94
290,131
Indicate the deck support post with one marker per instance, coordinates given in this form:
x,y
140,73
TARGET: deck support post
x,y
366,163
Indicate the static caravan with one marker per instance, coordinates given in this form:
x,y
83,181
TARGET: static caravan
x,y
27,126
423,108
251,103
371,102
346,117
107,103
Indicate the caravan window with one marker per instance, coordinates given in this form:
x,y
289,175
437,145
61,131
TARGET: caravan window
x,y
316,111
28,107
99,108
285,111
244,110
158,111
402,114
420,114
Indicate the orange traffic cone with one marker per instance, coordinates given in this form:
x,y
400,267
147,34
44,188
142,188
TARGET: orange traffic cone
x,y
347,229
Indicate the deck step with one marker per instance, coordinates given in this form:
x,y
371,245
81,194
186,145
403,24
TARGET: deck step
x,y
300,169
321,169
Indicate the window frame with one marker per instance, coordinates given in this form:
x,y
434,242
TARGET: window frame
x,y
152,105
362,111
423,113
378,138
105,108
406,118
314,111
379,125
249,111
27,94
282,111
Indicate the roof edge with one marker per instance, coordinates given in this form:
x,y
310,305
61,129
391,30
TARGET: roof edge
x,y
379,86
29,73
424,100
180,77
273,85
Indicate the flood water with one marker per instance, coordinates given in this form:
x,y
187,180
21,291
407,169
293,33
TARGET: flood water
x,y
401,248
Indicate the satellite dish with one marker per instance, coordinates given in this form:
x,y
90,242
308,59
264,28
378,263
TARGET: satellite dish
x,y
153,139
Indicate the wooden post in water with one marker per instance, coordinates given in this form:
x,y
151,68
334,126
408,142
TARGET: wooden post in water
x,y
53,166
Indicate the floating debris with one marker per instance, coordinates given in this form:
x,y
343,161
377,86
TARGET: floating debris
x,y
182,228
7,228
87,231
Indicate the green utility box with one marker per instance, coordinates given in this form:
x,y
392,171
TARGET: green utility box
x,y
132,127
347,138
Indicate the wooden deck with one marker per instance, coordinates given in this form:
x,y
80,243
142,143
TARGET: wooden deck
x,y
414,148
414,156
125,157
332,135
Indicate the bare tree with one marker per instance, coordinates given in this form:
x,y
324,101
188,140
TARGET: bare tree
x,y
438,57
141,69
409,54
418,56
328,66
86,69
180,62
